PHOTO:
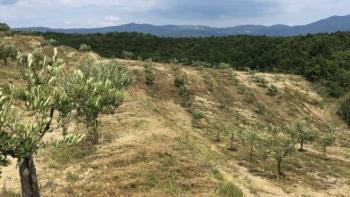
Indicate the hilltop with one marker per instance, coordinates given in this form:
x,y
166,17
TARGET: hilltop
x,y
159,143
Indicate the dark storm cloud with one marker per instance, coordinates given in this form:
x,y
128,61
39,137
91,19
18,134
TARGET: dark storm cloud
x,y
214,9
8,2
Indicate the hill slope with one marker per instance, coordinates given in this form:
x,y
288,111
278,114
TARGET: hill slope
x,y
331,24
154,146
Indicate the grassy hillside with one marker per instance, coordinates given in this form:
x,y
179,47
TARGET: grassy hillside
x,y
162,142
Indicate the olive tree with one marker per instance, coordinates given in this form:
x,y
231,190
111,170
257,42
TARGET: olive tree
x,y
96,88
253,139
22,133
7,51
279,146
302,132
327,139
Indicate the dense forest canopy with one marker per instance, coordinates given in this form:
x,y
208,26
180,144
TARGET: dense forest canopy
x,y
321,58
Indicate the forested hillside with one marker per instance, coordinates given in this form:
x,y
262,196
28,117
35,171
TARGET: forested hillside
x,y
323,58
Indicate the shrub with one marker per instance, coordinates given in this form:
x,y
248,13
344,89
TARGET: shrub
x,y
261,81
260,108
200,64
4,27
272,90
149,72
49,42
249,97
198,115
224,66
84,48
179,80
209,81
183,91
128,55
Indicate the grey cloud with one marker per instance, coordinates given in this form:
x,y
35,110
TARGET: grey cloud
x,y
8,2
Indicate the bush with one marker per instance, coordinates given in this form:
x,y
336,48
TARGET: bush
x,y
128,55
272,90
249,97
49,42
149,72
84,48
261,81
183,91
209,81
198,115
260,108
179,80
200,64
344,110
224,66
4,27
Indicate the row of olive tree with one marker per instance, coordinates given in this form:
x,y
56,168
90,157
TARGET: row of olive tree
x,y
89,90
279,143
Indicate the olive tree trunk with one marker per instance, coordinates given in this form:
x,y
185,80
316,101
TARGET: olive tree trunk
x,y
29,181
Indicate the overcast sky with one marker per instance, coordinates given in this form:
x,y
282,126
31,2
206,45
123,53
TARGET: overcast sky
x,y
218,13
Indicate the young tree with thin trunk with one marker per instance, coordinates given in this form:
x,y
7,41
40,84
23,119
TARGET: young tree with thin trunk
x,y
279,146
327,139
302,132
253,139
7,51
96,89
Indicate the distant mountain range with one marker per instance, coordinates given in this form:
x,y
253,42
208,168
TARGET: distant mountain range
x,y
328,25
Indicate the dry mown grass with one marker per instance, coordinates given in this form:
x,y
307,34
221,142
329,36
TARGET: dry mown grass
x,y
154,147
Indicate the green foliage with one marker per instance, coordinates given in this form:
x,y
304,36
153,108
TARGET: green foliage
x,y
97,88
4,27
201,64
303,133
249,97
49,42
179,80
209,81
84,48
344,110
327,139
149,72
260,108
224,66
272,90
198,115
317,57
254,140
279,145
7,51
128,55
261,81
